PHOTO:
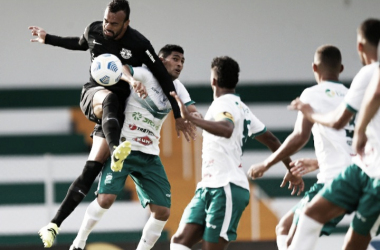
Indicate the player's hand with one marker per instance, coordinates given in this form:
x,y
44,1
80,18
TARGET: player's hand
x,y
197,115
188,129
184,112
183,124
257,171
359,141
296,104
139,88
295,183
303,166
39,33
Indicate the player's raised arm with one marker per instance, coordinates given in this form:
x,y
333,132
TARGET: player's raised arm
x,y
294,142
337,118
71,43
221,128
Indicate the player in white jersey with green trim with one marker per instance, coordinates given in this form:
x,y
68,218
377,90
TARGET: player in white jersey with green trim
x,y
332,147
354,189
142,125
223,193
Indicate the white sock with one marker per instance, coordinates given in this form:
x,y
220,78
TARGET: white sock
x,y
93,214
151,232
175,246
307,233
281,242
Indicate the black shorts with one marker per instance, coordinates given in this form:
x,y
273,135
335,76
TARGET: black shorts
x,y
86,99
86,105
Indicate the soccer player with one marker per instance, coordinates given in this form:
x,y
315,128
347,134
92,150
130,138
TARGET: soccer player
x,y
332,147
223,193
142,125
354,189
105,105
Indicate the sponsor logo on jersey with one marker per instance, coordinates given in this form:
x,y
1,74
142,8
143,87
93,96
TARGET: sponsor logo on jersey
x,y
155,90
150,55
144,130
150,123
136,116
125,53
332,93
143,140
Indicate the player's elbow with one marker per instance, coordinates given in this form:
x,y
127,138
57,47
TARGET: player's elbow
x,y
339,124
227,133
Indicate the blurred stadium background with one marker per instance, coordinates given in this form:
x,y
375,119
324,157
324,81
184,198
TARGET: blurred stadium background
x,y
44,138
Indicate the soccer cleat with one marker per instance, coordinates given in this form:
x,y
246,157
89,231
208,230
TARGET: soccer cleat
x,y
48,234
120,153
74,248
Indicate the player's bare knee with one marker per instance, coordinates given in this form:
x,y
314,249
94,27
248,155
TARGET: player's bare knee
x,y
280,229
98,111
106,200
161,213
177,238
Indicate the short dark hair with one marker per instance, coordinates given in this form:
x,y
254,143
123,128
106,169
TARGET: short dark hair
x,y
330,57
117,5
227,71
168,49
370,30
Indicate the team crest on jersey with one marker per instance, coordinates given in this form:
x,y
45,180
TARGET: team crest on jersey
x,y
126,54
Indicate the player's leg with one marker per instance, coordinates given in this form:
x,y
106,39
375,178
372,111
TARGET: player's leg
x,y
366,222
187,235
192,224
110,184
93,215
78,189
355,241
106,107
221,245
223,214
335,199
153,189
282,230
154,226
317,212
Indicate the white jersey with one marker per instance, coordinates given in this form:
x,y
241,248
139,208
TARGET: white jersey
x,y
144,117
221,157
332,147
370,164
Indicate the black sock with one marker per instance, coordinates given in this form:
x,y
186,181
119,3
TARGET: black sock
x,y
110,122
77,191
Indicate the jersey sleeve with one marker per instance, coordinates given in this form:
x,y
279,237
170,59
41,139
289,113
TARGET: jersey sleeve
x,y
355,94
222,110
140,75
306,96
254,125
183,93
71,43
151,60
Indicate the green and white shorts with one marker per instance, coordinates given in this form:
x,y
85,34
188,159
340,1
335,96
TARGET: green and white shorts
x,y
309,195
354,190
147,172
218,210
